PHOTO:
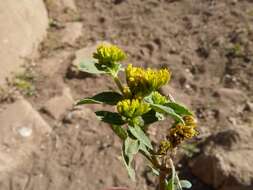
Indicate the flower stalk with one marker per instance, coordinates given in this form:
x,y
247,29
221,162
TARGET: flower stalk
x,y
139,105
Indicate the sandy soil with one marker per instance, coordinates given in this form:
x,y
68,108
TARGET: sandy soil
x,y
207,44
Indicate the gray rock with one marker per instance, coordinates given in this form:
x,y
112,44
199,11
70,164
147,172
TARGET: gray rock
x,y
226,162
21,31
51,65
226,99
80,55
58,105
68,4
21,132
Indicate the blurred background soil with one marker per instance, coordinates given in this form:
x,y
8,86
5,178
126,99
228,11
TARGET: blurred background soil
x,y
208,46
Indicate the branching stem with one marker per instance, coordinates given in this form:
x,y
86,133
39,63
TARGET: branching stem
x,y
119,84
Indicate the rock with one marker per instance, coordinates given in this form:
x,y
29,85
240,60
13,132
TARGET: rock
x,y
82,54
58,105
249,106
69,4
216,64
51,65
227,97
71,32
21,132
227,159
21,31
61,5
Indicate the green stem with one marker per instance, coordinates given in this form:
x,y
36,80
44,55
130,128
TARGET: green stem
x,y
118,83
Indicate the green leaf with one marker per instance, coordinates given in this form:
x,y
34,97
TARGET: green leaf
x,y
144,149
149,99
167,110
121,132
178,108
185,184
110,117
170,185
131,147
130,170
138,133
151,117
88,66
109,97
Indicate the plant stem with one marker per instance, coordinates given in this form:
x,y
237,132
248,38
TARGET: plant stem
x,y
118,83
162,175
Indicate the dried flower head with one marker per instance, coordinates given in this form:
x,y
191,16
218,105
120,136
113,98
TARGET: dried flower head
x,y
181,132
164,147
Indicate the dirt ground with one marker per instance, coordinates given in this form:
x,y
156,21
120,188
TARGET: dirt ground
x,y
207,44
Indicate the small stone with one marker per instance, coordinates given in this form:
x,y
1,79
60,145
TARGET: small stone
x,y
19,120
25,131
58,105
71,32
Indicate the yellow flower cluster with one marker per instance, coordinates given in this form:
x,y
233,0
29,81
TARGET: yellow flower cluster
x,y
132,108
142,82
181,132
157,98
108,55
